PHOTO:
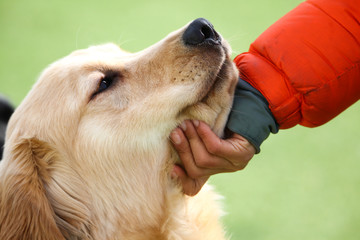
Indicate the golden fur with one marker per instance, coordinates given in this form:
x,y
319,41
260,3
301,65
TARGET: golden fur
x,y
79,165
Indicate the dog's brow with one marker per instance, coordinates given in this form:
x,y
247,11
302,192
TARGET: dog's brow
x,y
111,73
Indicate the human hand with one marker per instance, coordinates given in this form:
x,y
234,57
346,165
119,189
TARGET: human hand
x,y
204,154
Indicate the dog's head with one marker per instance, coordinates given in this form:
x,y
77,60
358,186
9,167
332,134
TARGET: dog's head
x,y
100,112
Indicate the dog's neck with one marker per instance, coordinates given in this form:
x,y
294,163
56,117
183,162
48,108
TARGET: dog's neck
x,y
122,195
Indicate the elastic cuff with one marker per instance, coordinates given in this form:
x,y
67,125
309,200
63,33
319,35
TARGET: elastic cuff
x,y
250,115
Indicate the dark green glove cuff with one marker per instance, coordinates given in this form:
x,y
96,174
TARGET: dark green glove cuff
x,y
250,115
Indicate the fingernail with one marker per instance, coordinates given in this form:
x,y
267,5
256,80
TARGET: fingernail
x,y
175,138
183,126
196,123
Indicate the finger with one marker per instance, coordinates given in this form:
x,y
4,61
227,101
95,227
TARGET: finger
x,y
190,186
204,163
232,147
212,142
181,145
236,150
183,148
185,151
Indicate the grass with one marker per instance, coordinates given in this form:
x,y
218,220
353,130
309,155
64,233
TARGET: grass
x,y
304,183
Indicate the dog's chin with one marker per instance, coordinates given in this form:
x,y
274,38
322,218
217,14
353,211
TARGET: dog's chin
x,y
209,106
212,91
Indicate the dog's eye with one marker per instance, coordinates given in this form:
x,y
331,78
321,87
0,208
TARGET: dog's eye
x,y
104,84
110,78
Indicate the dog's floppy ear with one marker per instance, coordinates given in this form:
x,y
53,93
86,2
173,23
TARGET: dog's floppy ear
x,y
25,212
6,109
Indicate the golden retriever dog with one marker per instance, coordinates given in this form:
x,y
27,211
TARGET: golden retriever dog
x,y
87,153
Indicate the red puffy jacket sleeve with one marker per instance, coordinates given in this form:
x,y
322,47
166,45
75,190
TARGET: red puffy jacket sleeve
x,y
307,64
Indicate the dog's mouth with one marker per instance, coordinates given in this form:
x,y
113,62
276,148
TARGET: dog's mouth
x,y
218,79
209,104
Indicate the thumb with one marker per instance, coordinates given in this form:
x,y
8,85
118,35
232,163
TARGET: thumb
x,y
233,148
212,142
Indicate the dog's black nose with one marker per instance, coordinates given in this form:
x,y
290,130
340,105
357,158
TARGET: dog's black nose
x,y
201,31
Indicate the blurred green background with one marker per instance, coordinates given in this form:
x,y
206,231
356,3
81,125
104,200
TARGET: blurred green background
x,y
305,182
